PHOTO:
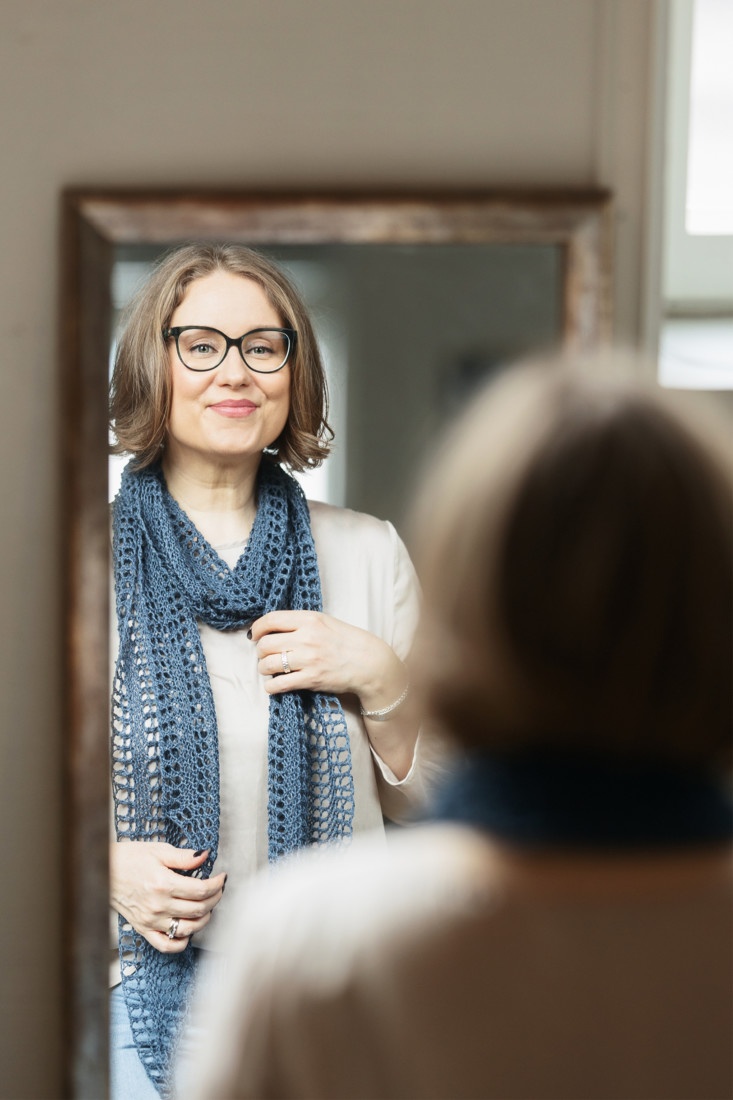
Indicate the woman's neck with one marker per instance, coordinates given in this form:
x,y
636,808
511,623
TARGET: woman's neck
x,y
221,501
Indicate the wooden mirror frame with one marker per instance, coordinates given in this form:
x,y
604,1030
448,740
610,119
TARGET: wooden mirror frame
x,y
94,223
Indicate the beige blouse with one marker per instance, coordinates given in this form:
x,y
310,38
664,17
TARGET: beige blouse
x,y
367,580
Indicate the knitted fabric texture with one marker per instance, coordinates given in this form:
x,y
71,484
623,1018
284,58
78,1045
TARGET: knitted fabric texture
x,y
165,761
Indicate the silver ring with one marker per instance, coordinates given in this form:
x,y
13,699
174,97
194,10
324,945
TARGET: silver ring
x,y
173,930
284,659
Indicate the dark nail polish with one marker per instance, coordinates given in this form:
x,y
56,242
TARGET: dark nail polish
x,y
199,853
249,634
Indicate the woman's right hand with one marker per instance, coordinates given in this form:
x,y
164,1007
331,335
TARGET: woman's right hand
x,y
147,892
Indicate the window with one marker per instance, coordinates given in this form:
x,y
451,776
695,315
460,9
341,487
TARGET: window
x,y
697,331
709,202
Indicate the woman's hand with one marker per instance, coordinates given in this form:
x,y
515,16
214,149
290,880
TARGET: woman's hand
x,y
325,654
148,893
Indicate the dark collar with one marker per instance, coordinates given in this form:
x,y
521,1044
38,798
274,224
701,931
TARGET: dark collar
x,y
545,798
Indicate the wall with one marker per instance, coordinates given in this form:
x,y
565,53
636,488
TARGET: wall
x,y
285,92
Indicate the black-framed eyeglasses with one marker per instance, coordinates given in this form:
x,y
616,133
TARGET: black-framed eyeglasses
x,y
264,350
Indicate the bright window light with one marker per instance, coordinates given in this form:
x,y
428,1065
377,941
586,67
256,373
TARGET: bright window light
x,y
709,207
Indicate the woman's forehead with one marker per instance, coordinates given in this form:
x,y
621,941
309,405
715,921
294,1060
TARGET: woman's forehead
x,y
223,299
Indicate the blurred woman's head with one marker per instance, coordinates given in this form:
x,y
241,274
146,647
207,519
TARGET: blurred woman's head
x,y
575,539
140,401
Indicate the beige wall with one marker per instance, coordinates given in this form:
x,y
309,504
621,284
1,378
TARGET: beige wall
x,y
258,92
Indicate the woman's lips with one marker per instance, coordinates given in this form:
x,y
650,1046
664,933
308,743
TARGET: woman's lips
x,y
234,408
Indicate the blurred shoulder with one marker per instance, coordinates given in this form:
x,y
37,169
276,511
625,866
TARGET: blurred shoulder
x,y
365,894
318,935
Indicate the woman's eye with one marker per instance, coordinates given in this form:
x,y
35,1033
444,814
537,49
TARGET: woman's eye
x,y
259,350
201,349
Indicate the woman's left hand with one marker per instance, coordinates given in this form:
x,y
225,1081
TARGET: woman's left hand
x,y
325,654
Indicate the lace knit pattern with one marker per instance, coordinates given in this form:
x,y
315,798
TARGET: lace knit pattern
x,y
165,764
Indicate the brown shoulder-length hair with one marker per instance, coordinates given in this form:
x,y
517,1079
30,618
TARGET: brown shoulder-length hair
x,y
575,542
140,393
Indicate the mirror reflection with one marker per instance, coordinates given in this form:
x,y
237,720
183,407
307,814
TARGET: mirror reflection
x,y
261,701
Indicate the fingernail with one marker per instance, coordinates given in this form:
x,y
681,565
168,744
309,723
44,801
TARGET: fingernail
x,y
249,634
199,853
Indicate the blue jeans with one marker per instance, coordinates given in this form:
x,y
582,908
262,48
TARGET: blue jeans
x,y
128,1079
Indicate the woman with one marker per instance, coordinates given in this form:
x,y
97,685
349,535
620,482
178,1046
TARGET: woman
x,y
260,697
564,928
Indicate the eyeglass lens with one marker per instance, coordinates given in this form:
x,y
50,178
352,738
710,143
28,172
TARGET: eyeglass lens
x,y
263,350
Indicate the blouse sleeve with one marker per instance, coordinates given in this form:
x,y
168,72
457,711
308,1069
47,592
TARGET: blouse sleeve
x,y
402,799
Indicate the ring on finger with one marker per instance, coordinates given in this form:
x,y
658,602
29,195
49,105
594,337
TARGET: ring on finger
x,y
284,658
173,929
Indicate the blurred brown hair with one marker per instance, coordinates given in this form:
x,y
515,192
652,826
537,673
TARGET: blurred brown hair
x,y
575,541
141,387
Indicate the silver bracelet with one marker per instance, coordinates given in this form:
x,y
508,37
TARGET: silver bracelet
x,y
383,714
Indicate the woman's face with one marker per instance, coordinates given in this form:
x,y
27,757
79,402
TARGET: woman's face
x,y
230,413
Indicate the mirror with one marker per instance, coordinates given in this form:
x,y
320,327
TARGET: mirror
x,y
536,272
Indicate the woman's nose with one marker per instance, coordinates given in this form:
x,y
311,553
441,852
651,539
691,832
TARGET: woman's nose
x,y
233,368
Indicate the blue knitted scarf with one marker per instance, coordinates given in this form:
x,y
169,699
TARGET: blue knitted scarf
x,y
165,761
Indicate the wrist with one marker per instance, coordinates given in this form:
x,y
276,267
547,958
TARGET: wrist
x,y
383,714
386,683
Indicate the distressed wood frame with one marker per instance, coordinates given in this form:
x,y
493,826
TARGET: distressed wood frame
x,y
94,223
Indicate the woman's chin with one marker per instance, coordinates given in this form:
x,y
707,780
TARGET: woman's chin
x,y
224,453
